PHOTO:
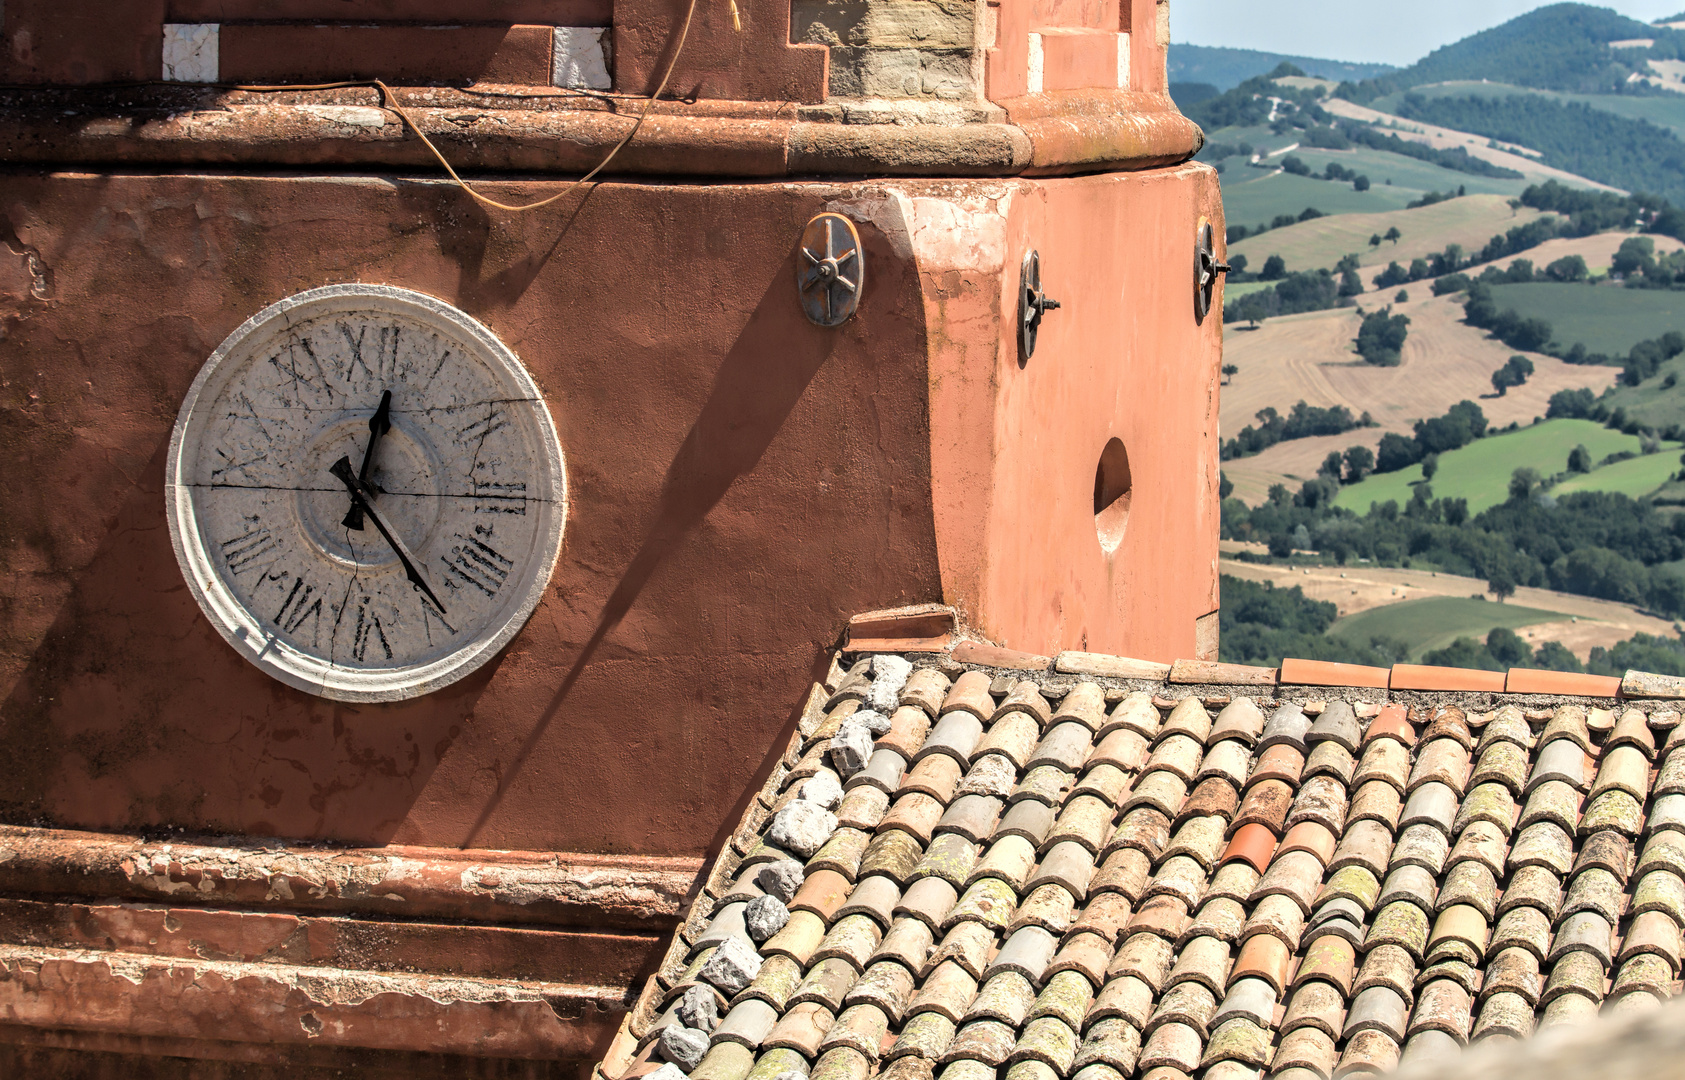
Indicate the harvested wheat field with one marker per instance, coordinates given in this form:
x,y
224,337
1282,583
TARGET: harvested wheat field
x,y
1598,250
1310,357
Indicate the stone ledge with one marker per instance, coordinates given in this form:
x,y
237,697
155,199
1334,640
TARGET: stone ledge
x,y
508,887
1046,134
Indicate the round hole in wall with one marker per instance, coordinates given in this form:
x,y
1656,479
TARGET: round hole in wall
x,y
1113,487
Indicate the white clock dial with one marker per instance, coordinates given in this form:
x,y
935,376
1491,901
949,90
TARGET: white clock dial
x,y
376,581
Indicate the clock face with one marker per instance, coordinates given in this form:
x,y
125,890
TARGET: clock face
x,y
365,492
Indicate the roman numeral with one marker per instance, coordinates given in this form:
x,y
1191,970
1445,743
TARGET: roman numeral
x,y
299,606
499,498
386,351
251,548
478,564
479,430
431,615
368,630
289,367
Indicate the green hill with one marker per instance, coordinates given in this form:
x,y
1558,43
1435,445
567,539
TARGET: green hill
x,y
1636,155
1480,472
1665,110
1228,68
1560,47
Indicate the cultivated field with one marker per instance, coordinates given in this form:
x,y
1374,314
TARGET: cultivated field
x,y
1433,622
1480,472
1309,357
1606,318
1360,588
1470,221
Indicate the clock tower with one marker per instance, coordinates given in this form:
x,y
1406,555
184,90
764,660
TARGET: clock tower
x,y
403,582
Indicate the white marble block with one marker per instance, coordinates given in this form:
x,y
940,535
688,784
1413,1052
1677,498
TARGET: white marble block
x,y
190,52
579,58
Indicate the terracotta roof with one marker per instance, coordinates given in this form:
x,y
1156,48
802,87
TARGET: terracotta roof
x,y
979,863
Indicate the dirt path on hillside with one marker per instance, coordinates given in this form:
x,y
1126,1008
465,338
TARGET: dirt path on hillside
x,y
1359,588
1309,357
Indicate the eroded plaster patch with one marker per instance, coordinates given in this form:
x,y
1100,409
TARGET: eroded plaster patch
x,y
579,58
190,52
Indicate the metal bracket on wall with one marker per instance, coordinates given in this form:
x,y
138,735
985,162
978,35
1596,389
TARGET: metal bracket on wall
x,y
1206,269
831,270
1032,304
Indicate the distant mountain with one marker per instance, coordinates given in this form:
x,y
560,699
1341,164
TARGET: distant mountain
x,y
1561,47
1226,69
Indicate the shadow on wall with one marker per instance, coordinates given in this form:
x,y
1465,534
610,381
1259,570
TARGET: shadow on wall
x,y
757,386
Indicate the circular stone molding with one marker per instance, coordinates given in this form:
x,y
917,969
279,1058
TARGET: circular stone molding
x,y
365,492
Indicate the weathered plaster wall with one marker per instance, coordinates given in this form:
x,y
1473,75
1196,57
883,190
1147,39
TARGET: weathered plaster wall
x,y
1016,444
741,482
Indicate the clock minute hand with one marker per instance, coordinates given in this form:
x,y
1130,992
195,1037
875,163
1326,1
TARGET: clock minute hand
x,y
379,424
342,469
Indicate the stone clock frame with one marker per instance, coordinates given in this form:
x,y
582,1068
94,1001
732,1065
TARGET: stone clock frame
x,y
244,630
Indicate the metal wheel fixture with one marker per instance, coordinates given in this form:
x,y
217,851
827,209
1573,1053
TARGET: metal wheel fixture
x,y
1206,268
830,270
1032,303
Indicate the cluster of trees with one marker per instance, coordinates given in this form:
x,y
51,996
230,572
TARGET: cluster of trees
x,y
1632,154
1641,362
1638,262
1262,624
1237,233
1381,336
1513,373
1314,290
1252,102
1295,165
1301,422
1462,424
1505,649
1590,543
1457,159
1481,311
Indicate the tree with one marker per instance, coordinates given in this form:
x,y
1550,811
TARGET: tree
x,y
1513,373
1375,240
1275,268
1568,268
1361,183
1522,482
1394,235
1350,283
1396,452
1430,466
1330,465
1360,462
1225,486
1402,297
1230,371
1579,459
1502,583
1381,336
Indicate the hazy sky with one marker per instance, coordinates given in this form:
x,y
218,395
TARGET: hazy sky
x,y
1365,30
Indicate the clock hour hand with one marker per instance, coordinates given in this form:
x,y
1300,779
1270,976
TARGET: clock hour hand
x,y
342,469
379,424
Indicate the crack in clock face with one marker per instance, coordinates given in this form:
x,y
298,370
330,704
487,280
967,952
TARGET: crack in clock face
x,y
460,491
